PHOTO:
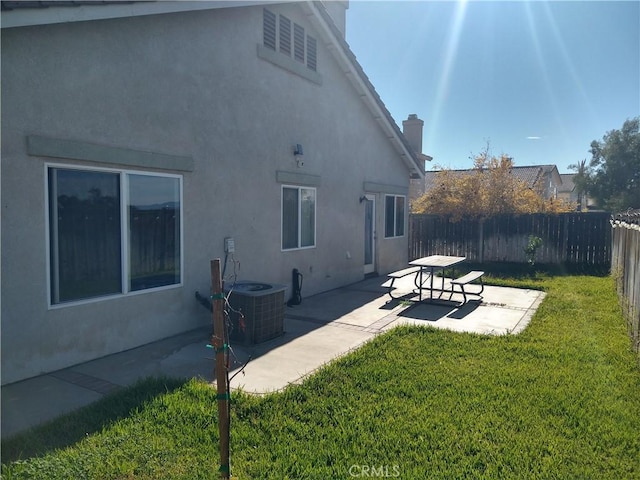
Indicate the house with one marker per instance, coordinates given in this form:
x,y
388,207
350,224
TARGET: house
x,y
542,178
138,136
545,178
570,194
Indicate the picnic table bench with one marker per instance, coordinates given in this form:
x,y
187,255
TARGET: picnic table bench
x,y
465,280
400,274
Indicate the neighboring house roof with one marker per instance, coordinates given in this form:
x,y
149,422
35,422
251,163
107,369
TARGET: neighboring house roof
x,y
528,174
532,173
16,14
430,177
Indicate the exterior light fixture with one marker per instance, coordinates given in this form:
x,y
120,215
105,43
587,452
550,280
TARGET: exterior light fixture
x,y
298,155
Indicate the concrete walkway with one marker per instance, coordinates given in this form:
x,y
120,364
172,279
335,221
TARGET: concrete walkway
x,y
319,330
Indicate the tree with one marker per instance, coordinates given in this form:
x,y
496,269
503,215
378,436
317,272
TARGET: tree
x,y
580,181
612,178
488,189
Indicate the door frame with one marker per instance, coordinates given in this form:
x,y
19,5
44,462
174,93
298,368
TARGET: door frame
x,y
370,267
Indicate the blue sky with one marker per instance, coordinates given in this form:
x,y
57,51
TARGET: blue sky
x,y
537,80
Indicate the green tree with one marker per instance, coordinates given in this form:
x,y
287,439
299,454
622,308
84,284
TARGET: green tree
x,y
580,181
612,178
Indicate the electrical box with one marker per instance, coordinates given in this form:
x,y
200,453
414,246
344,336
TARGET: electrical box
x,y
229,245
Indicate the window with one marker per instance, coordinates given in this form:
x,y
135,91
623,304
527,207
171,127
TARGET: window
x,y
394,215
112,232
298,217
278,31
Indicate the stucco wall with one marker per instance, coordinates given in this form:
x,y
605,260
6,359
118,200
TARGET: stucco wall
x,y
188,84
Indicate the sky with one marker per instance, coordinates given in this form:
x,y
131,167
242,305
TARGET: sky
x,y
537,81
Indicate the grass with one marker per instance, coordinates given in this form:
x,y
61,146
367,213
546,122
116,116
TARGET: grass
x,y
71,428
559,400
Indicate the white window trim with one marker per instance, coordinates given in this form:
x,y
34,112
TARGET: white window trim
x,y
124,228
315,217
395,216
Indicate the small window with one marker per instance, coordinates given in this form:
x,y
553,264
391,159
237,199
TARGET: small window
x,y
394,216
97,249
298,217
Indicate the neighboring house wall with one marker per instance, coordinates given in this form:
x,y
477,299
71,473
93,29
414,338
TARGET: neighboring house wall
x,y
552,181
569,193
192,88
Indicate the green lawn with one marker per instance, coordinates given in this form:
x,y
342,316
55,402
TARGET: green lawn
x,y
560,400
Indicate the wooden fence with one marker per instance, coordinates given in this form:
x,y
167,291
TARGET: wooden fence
x,y
625,265
582,239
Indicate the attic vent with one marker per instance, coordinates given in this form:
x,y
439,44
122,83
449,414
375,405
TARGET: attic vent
x,y
279,35
269,29
311,53
285,35
298,42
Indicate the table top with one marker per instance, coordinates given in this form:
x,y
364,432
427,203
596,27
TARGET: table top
x,y
437,261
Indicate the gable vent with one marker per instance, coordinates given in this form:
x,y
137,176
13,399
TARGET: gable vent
x,y
290,39
269,29
285,35
311,53
298,42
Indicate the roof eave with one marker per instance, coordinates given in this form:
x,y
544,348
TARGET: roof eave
x,y
51,14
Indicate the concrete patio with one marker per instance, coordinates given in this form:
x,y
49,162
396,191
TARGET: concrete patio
x,y
317,331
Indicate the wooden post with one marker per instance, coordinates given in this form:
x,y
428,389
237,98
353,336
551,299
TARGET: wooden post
x,y
481,240
221,346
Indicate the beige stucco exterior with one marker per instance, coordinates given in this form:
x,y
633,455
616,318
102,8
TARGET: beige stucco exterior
x,y
192,88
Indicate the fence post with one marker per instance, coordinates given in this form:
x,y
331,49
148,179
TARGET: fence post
x,y
481,240
219,342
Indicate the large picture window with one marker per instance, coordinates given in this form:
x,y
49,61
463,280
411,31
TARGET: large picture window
x,y
394,216
112,232
298,217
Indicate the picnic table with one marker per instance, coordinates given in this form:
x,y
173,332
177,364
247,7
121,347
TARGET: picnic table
x,y
428,266
425,270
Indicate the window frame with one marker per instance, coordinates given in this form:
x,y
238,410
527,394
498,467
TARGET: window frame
x,y
395,215
125,267
299,188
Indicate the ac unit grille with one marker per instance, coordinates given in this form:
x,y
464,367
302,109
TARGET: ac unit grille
x,y
263,317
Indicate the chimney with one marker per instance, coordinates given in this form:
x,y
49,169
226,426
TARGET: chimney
x,y
412,130
337,10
